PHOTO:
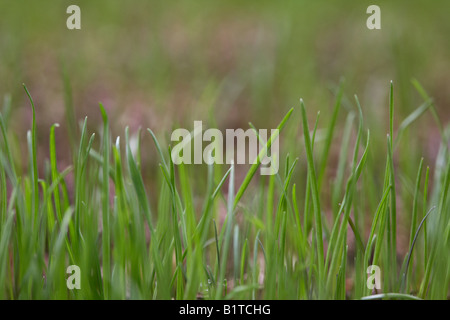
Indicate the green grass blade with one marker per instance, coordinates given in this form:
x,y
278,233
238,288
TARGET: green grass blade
x,y
262,153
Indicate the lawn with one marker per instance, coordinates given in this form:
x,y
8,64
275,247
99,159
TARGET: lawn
x,y
87,177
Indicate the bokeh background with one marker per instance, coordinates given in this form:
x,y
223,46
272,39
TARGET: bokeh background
x,y
156,63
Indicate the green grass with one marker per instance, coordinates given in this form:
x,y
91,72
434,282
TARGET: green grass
x,y
299,234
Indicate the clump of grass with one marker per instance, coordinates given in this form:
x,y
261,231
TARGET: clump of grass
x,y
129,248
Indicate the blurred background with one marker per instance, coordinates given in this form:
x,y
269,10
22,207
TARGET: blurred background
x,y
162,65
